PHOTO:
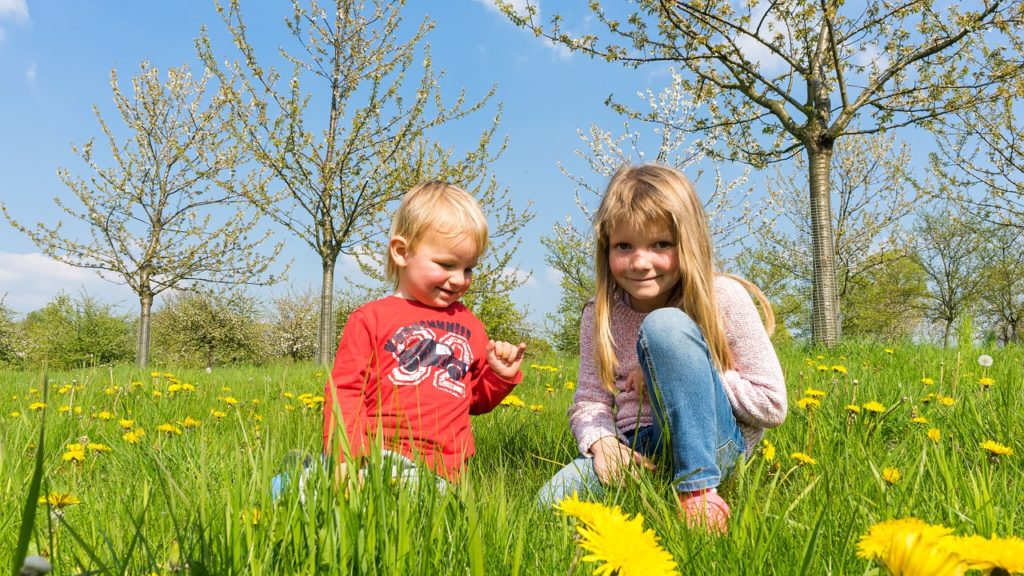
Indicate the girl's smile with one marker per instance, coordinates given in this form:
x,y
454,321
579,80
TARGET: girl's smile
x,y
644,263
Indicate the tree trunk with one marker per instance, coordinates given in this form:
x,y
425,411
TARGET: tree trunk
x,y
326,344
142,344
825,302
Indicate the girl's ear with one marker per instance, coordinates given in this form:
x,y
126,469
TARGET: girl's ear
x,y
399,249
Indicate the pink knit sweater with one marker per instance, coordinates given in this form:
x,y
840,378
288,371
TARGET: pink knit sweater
x,y
755,386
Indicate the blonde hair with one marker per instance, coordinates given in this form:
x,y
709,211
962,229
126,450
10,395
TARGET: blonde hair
x,y
440,208
650,195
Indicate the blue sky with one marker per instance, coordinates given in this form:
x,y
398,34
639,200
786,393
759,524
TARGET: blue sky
x,y
55,63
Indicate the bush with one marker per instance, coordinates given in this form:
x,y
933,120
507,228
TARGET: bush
x,y
68,333
9,349
203,329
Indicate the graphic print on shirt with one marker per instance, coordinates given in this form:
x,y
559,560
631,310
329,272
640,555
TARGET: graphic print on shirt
x,y
423,356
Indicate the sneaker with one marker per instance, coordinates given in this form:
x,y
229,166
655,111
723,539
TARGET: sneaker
x,y
294,461
705,509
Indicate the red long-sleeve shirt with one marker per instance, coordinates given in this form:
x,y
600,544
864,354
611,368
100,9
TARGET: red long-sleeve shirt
x,y
408,376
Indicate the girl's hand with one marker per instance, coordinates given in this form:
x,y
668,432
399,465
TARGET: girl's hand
x,y
505,358
635,381
612,458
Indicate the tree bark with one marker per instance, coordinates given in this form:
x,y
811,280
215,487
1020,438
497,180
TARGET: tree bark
x,y
825,327
142,343
328,323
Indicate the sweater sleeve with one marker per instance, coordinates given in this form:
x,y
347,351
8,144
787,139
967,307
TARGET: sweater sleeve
x,y
347,388
590,415
755,386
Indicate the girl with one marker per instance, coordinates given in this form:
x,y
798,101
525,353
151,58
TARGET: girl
x,y
675,363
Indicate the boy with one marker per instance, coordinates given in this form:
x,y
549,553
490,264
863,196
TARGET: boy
x,y
412,367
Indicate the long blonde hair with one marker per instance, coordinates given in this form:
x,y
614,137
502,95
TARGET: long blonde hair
x,y
649,195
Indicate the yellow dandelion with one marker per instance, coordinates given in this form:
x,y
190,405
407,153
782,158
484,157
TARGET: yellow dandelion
x,y
97,447
853,409
927,381
14,414
186,387
839,368
808,403
928,397
133,436
78,410
37,406
126,423
288,395
891,475
168,429
174,388
919,420
64,409
803,459
813,393
995,448
946,400
217,414
822,368
910,546
225,389
111,390
768,450
74,455
537,407
157,394
136,384
889,351
229,400
986,382
513,400
59,500
989,554
570,385
190,422
154,374
102,415
934,434
251,516
585,512
875,407
622,546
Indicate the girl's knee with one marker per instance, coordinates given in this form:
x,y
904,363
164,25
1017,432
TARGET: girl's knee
x,y
668,320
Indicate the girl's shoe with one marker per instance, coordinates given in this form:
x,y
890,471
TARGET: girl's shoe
x,y
705,509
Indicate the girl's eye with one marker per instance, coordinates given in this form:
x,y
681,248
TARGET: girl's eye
x,y
663,245
622,246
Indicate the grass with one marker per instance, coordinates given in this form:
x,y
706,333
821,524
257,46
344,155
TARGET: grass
x,y
199,501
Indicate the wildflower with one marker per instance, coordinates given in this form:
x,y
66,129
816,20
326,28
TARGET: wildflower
x,y
251,516
97,447
839,368
37,406
157,394
75,453
102,415
169,429
928,398
136,384
768,450
946,400
808,403
822,368
288,395
63,409
984,360
927,381
802,458
154,374
59,500
891,475
65,389
570,385
14,414
35,566
126,424
217,413
876,407
111,390
919,420
986,382
537,407
311,401
811,392
996,449
911,546
620,544
174,388
889,351
190,422
853,409
513,400
934,434
229,400
133,436
989,554
225,389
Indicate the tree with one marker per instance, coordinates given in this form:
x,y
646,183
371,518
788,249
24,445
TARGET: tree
x,y
10,352
205,329
165,213
887,301
950,248
785,77
870,183
570,248
68,333
338,170
291,332
1003,284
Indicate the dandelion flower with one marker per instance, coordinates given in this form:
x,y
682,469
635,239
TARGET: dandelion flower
x,y
217,414
988,554
808,403
927,381
585,512
891,475
97,447
813,393
839,368
570,385
37,406
623,547
74,455
14,414
996,449
169,429
126,423
947,400
768,451
934,434
853,409
537,407
513,400
876,407
889,351
59,500
133,437
190,422
919,420
103,415
986,382
154,374
911,547
822,368
803,459
229,400
984,360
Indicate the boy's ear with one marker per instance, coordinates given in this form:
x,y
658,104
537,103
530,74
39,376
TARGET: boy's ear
x,y
399,249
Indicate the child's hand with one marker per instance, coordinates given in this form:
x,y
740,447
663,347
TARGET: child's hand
x,y
505,358
635,381
612,458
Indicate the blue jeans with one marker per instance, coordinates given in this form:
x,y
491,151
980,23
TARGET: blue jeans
x,y
694,428
395,465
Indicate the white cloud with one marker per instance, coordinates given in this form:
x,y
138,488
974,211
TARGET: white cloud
x,y
30,73
29,281
554,275
518,5
16,10
524,277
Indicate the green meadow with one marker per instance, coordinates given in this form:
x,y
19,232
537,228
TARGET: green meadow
x,y
114,471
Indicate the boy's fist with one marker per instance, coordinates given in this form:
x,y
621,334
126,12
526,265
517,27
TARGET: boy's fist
x,y
505,358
